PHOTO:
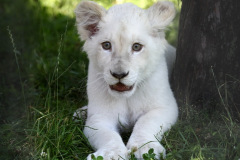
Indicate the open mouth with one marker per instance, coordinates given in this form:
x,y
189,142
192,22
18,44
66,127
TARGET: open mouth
x,y
120,87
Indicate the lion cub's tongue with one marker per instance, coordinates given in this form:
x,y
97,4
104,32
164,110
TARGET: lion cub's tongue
x,y
120,87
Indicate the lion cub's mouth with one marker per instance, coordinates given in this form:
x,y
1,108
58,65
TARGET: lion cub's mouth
x,y
120,87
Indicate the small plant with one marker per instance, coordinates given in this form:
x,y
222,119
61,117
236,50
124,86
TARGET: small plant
x,y
96,158
150,155
146,156
132,156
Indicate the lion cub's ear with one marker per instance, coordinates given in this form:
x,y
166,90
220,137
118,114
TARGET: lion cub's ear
x,y
161,14
88,15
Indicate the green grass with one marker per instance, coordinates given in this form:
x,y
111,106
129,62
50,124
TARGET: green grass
x,y
56,136
57,73
199,136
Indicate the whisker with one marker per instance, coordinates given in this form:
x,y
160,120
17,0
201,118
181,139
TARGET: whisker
x,y
96,80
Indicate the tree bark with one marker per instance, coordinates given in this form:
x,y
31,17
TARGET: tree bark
x,y
207,69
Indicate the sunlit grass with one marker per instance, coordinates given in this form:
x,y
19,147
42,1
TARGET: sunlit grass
x,y
67,7
60,6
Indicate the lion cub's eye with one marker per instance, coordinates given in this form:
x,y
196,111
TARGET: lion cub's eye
x,y
106,45
137,47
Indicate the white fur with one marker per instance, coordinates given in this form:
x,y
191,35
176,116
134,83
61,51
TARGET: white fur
x,y
150,107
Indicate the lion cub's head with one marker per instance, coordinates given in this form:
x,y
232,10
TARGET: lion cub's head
x,y
125,43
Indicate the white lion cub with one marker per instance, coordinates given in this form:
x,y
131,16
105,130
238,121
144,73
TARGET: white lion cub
x,y
128,84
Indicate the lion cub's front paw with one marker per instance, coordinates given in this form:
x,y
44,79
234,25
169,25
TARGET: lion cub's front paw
x,y
139,150
115,153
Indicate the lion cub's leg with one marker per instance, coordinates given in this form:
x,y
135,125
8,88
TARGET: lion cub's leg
x,y
104,138
149,129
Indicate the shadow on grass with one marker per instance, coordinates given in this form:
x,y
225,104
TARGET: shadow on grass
x,y
27,72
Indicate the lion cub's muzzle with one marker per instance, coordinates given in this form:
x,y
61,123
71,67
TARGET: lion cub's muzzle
x,y
120,87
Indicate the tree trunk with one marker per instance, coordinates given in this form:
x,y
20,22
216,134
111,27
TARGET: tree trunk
x,y
207,69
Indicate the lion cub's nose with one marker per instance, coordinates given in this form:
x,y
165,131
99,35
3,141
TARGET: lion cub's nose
x,y
119,75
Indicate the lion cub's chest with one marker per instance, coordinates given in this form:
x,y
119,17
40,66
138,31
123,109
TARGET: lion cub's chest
x,y
127,119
